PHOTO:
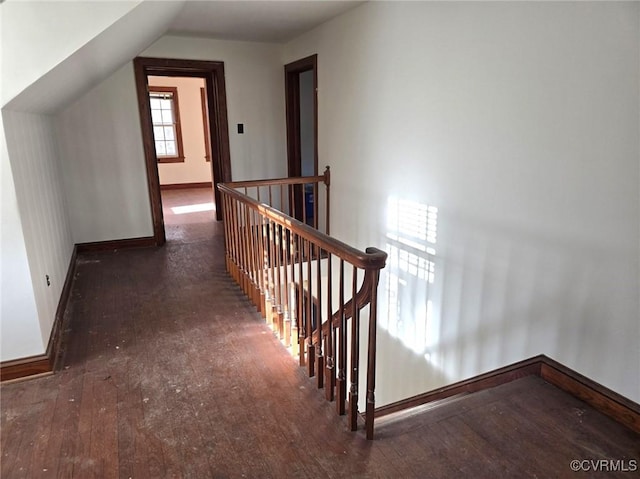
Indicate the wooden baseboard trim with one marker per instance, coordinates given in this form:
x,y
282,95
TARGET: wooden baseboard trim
x,y
36,366
603,399
25,367
484,381
47,363
144,242
54,348
183,186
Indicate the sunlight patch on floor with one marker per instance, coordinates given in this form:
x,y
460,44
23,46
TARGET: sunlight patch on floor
x,y
181,210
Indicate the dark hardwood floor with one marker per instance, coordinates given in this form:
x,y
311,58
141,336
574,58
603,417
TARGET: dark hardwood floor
x,y
169,372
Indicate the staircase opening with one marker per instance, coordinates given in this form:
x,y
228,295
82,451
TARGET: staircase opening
x,y
319,295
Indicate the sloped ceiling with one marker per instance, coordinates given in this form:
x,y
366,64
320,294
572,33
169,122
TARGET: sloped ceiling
x,y
97,59
263,21
258,21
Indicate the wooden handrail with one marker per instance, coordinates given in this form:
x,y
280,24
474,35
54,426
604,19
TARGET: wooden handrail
x,y
363,297
298,180
372,258
271,255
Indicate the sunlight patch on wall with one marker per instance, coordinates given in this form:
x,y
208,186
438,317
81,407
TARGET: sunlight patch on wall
x,y
410,273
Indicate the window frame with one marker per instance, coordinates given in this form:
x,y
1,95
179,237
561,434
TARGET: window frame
x,y
179,157
205,123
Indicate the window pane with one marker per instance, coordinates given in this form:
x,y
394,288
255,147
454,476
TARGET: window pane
x,y
168,133
171,148
156,116
160,148
155,103
167,117
158,133
165,104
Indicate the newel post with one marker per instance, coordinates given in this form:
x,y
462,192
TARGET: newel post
x,y
327,184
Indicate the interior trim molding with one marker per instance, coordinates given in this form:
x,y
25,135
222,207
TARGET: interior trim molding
x,y
112,245
180,186
23,368
478,383
213,74
599,397
47,363
603,399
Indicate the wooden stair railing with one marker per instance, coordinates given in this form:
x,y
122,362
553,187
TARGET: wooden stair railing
x,y
312,289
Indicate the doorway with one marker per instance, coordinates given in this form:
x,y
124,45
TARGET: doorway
x,y
181,136
213,96
301,96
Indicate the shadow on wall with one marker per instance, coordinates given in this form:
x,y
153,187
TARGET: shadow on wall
x,y
459,298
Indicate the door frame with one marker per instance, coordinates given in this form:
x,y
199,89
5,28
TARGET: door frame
x,y
213,74
292,73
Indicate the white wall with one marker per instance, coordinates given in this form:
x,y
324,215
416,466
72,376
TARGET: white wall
x,y
195,168
520,123
103,162
19,328
51,52
254,78
101,143
35,239
32,147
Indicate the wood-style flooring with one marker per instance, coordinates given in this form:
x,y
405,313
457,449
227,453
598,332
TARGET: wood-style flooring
x,y
170,372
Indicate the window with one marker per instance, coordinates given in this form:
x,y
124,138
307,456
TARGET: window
x,y
165,116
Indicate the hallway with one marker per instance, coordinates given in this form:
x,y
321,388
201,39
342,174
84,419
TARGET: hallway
x,y
170,372
189,214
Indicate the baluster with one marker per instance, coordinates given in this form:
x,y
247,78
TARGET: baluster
x,y
270,196
250,257
315,205
355,355
302,318
241,248
285,290
232,239
341,381
269,276
227,237
311,350
371,357
330,380
304,204
319,356
247,250
278,248
295,321
327,183
274,272
261,261
262,265
257,271
282,198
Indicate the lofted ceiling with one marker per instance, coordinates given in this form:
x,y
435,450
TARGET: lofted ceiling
x,y
259,21
269,21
